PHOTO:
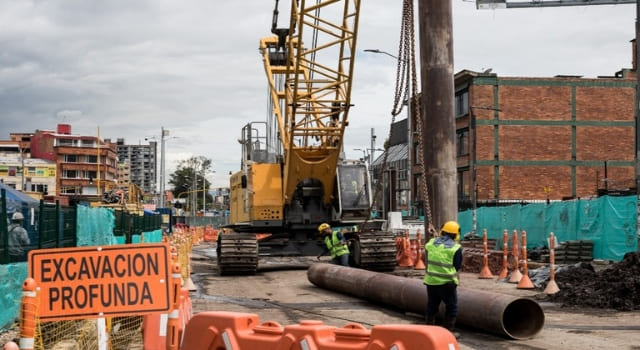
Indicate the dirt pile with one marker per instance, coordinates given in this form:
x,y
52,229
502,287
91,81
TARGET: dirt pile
x,y
616,287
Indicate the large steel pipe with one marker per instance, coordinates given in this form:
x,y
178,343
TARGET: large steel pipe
x,y
505,315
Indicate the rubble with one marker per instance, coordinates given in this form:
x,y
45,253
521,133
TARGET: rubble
x,y
615,287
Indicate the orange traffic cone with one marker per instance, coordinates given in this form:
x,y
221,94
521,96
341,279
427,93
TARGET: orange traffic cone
x,y
419,261
552,287
516,276
485,273
405,259
525,281
505,256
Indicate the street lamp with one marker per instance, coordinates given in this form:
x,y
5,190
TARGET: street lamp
x,y
365,156
409,121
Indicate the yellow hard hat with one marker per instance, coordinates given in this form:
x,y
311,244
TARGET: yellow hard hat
x,y
323,226
452,228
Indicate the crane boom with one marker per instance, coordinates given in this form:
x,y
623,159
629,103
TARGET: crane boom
x,y
310,87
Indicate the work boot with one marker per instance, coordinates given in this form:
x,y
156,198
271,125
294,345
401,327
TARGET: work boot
x,y
450,324
431,320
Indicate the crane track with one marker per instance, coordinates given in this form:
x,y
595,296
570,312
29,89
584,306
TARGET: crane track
x,y
375,251
237,254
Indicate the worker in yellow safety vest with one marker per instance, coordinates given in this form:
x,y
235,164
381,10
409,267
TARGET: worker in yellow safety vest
x,y
444,260
335,244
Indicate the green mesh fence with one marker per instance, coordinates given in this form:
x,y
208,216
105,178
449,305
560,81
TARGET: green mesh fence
x,y
12,276
610,222
95,226
130,227
57,226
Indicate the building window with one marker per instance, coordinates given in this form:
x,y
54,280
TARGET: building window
x,y
70,158
92,159
462,142
70,174
462,103
39,188
88,143
464,182
69,190
65,142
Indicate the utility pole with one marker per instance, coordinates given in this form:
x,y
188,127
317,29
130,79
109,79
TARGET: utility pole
x,y
22,169
436,52
163,133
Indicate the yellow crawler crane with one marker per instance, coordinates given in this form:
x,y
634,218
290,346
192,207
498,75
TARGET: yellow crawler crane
x,y
292,176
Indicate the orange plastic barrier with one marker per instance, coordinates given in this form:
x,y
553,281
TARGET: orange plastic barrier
x,y
210,235
173,322
28,311
240,331
154,326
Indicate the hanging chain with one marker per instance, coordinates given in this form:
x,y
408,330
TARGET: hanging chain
x,y
417,109
406,64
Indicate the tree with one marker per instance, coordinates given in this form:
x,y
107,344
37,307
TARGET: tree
x,y
189,179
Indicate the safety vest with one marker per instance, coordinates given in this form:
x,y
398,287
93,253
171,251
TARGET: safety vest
x,y
335,246
440,269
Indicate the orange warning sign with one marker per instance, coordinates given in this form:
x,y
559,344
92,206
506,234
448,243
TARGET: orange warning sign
x,y
87,282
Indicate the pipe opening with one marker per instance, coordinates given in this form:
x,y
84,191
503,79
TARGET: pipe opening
x,y
522,319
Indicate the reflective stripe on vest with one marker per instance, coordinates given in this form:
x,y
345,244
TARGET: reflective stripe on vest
x,y
440,269
335,247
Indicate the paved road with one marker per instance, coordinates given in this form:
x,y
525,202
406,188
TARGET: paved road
x,y
287,297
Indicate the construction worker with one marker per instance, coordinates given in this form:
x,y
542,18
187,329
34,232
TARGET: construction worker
x,y
349,185
334,244
444,259
18,238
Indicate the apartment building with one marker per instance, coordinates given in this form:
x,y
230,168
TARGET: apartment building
x,y
142,164
85,165
23,173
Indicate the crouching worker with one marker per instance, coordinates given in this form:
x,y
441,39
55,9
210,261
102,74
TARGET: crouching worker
x,y
334,244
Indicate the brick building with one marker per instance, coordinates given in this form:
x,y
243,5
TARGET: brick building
x,y
536,139
539,138
85,165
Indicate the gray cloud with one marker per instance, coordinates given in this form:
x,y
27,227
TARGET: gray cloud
x,y
130,67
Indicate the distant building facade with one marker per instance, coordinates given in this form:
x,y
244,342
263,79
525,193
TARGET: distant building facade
x,y
124,174
142,164
544,138
85,165
26,174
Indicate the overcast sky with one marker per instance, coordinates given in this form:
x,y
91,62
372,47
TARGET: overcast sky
x,y
192,66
